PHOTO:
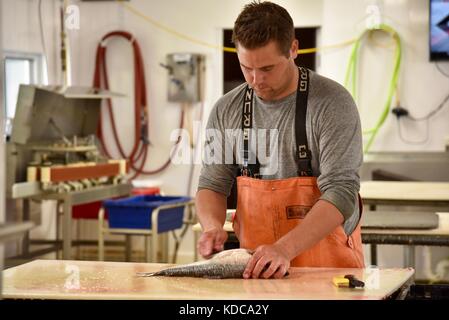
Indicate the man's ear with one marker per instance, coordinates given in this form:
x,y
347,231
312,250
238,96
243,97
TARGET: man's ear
x,y
294,49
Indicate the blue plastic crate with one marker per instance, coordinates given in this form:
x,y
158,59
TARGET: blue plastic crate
x,y
135,212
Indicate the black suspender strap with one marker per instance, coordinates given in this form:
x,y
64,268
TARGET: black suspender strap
x,y
247,123
249,169
304,154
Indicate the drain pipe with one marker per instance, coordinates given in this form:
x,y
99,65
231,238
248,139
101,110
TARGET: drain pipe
x,y
440,269
428,272
442,265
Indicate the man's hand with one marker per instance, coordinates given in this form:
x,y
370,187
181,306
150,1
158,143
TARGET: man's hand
x,y
211,241
267,261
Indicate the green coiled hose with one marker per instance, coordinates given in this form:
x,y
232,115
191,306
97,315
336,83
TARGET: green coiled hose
x,y
351,74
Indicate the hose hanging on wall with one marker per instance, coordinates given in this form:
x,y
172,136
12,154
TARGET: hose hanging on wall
x,y
351,74
139,152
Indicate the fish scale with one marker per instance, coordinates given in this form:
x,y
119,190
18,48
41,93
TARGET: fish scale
x,y
222,271
226,264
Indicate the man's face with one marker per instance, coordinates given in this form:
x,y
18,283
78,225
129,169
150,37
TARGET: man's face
x,y
267,70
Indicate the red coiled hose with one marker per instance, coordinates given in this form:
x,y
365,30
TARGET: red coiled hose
x,y
139,152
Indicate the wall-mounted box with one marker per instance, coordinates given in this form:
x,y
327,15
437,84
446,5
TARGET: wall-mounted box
x,y
186,77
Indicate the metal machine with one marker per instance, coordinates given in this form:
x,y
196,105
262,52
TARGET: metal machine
x,y
417,166
52,147
52,153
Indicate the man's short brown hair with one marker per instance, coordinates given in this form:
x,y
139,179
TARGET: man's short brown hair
x,y
262,22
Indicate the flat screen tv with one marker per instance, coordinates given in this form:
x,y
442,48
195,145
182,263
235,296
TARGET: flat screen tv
x,y
439,30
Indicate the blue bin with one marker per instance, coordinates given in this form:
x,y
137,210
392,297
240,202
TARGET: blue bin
x,y
135,212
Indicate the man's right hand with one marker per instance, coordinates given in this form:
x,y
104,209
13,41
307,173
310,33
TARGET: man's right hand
x,y
211,241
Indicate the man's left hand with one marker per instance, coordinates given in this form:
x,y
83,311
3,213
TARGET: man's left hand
x,y
268,261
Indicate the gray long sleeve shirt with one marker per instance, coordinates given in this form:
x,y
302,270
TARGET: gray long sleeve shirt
x,y
333,134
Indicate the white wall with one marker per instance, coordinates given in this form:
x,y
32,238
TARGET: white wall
x,y
421,86
20,28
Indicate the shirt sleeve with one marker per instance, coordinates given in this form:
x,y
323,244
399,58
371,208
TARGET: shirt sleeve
x,y
216,173
341,151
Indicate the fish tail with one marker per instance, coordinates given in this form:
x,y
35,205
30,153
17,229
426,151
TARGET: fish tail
x,y
147,274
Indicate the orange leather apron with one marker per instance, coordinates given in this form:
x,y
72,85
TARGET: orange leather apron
x,y
268,209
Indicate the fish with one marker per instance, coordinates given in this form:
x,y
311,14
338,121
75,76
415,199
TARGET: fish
x,y
227,264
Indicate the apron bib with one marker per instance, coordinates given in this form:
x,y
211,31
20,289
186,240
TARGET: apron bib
x,y
269,209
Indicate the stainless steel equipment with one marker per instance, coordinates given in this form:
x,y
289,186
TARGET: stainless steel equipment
x,y
52,152
53,132
419,166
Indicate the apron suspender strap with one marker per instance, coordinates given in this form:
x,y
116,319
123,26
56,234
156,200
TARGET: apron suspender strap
x,y
302,148
303,152
249,169
247,123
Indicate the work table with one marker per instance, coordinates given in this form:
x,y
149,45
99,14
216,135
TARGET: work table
x,y
60,279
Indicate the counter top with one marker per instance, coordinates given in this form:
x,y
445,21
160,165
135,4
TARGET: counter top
x,y
59,279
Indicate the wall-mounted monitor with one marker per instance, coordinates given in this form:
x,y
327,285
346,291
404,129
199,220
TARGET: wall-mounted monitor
x,y
439,30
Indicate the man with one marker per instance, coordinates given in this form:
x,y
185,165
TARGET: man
x,y
307,212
